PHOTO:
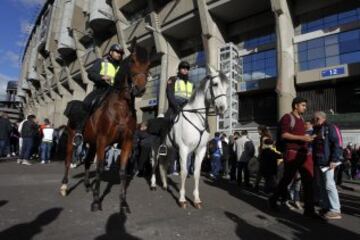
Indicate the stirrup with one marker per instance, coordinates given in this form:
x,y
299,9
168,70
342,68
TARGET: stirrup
x,y
78,139
162,150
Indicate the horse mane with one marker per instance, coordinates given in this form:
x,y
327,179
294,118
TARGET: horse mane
x,y
201,88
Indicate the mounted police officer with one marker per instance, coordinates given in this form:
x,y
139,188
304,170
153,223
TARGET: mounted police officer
x,y
178,91
102,73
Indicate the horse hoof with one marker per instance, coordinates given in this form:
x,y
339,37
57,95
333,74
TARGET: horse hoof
x,y
63,190
183,205
198,205
95,206
153,188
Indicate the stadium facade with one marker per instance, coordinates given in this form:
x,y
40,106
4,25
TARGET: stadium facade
x,y
272,50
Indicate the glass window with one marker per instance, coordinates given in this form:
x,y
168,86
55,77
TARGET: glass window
x,y
317,63
316,53
302,46
332,39
350,57
303,66
347,36
332,50
315,43
302,56
349,46
331,21
260,65
331,61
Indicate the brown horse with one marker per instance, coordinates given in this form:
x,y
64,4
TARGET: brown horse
x,y
113,122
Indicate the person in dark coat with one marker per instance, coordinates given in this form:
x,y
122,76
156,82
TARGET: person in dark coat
x,y
29,130
5,130
268,164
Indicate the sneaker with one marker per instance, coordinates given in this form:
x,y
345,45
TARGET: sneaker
x,y
298,205
78,139
26,162
332,215
42,162
73,165
19,161
162,150
289,205
8,156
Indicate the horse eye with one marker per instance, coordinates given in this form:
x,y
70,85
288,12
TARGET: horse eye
x,y
215,84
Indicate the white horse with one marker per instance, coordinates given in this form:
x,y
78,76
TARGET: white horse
x,y
190,132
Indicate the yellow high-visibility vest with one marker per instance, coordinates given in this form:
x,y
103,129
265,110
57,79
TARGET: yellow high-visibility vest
x,y
183,89
108,69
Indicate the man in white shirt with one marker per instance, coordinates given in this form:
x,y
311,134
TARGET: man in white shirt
x,y
47,140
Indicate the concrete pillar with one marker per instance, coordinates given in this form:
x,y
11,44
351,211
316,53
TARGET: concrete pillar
x,y
120,23
169,60
285,56
79,53
212,41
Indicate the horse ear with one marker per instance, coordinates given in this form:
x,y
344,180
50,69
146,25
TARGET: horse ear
x,y
212,70
133,45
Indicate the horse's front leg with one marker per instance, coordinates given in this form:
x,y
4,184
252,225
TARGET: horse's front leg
x,y
69,153
100,152
87,164
126,149
199,156
184,153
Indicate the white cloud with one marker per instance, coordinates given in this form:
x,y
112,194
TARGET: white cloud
x,y
26,27
10,57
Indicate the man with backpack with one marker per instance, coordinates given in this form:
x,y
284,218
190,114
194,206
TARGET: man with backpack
x,y
296,158
327,156
245,150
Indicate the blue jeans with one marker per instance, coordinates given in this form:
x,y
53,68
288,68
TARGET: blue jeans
x,y
26,148
328,192
45,151
3,145
215,164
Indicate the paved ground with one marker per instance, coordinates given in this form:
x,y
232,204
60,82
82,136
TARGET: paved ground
x,y
31,208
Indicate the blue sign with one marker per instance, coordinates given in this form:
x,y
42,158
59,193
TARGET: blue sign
x,y
333,72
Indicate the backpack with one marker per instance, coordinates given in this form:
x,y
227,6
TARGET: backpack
x,y
339,137
280,143
249,149
213,146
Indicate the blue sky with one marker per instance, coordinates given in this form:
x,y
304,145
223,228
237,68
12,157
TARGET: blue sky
x,y
16,20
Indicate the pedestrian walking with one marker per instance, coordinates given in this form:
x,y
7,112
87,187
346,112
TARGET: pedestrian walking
x,y
296,157
47,141
28,131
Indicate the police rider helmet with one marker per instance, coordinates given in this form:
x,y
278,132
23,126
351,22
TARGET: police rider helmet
x,y
117,47
184,64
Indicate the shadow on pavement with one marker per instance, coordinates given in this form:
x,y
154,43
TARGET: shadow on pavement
x,y
26,231
115,228
245,230
303,227
3,202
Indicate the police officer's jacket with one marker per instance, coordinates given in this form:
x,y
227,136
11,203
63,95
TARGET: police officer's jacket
x,y
179,90
101,67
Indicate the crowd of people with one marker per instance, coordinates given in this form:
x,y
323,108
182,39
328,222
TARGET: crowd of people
x,y
29,141
301,166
